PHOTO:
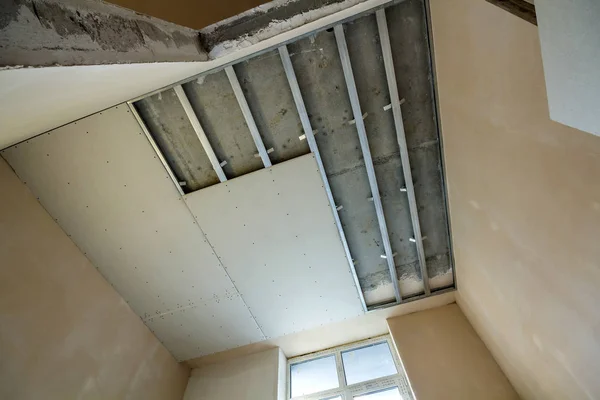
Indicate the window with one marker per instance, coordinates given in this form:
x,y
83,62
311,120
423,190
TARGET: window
x,y
313,376
368,370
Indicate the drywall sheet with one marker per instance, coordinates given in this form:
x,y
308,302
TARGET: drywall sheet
x,y
102,182
570,38
275,234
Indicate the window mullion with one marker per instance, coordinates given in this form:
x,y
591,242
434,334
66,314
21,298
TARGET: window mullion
x,y
399,380
340,369
347,394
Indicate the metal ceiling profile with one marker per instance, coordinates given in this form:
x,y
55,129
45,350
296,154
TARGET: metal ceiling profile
x,y
330,94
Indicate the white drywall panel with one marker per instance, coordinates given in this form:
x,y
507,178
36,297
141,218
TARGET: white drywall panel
x,y
102,182
215,323
276,237
570,39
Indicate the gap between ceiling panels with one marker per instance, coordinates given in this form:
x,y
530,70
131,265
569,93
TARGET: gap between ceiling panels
x,y
255,94
304,185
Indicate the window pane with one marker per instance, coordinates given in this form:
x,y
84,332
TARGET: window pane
x,y
388,394
374,361
313,376
334,398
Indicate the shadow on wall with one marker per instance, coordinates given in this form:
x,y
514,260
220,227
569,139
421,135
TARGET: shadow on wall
x,y
524,202
65,332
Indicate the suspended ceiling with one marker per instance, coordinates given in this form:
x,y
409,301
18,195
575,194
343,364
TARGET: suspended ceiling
x,y
319,72
178,259
226,274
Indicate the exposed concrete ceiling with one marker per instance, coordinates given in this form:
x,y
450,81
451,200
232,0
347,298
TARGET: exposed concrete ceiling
x,y
54,96
319,73
156,245
190,13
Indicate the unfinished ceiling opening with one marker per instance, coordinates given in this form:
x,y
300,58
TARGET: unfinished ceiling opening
x,y
249,119
288,190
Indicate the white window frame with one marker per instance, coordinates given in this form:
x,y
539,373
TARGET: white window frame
x,y
348,392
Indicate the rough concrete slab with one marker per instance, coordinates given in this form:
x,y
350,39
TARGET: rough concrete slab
x,y
259,18
320,77
173,133
85,32
266,88
367,61
411,52
219,113
408,36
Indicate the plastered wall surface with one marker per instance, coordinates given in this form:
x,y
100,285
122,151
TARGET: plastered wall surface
x,y
64,332
524,204
445,359
252,377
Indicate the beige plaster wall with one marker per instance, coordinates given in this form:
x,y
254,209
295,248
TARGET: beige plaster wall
x,y
524,196
259,376
64,332
445,359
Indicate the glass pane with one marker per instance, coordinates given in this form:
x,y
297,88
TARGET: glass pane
x,y
388,394
371,362
334,398
313,376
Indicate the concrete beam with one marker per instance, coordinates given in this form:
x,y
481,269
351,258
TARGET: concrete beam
x,y
266,21
36,33
524,9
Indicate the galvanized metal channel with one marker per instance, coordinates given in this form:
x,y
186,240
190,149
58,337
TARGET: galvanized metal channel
x,y
382,160
239,95
155,147
436,111
364,143
189,111
388,62
312,143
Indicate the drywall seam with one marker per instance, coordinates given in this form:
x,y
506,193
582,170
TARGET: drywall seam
x,y
167,170
295,261
132,240
225,269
